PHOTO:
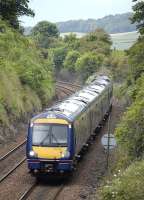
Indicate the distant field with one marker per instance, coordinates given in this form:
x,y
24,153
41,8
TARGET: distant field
x,y
79,35
124,40
120,41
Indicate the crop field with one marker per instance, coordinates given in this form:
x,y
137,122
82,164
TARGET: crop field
x,y
124,41
121,41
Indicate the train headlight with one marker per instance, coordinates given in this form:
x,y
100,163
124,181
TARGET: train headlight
x,y
66,154
32,154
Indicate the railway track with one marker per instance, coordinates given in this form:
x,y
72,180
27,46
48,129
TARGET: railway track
x,y
66,89
63,90
12,170
9,162
28,192
56,190
12,151
69,84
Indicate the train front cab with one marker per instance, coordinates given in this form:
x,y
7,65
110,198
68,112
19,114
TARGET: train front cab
x,y
50,146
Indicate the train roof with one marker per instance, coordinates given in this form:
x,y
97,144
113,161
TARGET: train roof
x,y
70,108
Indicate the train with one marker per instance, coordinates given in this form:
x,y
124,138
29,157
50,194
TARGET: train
x,y
57,137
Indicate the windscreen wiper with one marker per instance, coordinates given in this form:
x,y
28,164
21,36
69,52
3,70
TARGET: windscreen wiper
x,y
57,143
41,143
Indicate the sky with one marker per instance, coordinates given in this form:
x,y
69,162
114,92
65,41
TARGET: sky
x,y
63,10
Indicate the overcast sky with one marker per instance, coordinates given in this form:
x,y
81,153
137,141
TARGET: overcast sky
x,y
63,10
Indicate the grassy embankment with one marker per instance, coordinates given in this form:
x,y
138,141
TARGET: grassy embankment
x,y
26,82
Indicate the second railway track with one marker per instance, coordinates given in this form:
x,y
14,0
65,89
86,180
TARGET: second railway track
x,y
12,160
12,151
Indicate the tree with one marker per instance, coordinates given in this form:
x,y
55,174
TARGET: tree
x,y
10,10
138,16
136,59
97,41
70,38
99,35
59,57
45,33
72,41
71,59
88,63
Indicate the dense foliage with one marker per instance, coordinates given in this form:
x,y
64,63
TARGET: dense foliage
x,y
88,64
130,131
82,56
112,24
45,34
138,16
136,58
118,65
25,77
10,10
126,185
70,60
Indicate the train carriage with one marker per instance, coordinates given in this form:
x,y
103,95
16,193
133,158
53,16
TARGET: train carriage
x,y
57,136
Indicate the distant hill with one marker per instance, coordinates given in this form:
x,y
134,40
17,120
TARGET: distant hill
x,y
118,23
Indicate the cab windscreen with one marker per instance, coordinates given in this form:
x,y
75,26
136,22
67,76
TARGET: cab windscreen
x,y
49,135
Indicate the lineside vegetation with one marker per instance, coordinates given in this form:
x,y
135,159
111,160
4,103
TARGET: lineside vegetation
x,y
128,179
26,82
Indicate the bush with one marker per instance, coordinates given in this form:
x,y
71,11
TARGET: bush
x,y
130,132
88,64
70,60
127,185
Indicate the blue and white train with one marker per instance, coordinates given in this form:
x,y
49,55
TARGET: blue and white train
x,y
57,136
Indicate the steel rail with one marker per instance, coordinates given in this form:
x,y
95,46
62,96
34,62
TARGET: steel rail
x,y
65,92
68,83
12,170
58,192
66,88
13,150
27,193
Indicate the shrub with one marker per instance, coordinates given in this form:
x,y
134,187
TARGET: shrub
x,y
127,185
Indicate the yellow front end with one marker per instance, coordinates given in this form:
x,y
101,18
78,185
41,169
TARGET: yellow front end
x,y
49,152
54,152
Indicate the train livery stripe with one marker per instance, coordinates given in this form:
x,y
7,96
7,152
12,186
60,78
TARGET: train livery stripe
x,y
49,152
52,121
